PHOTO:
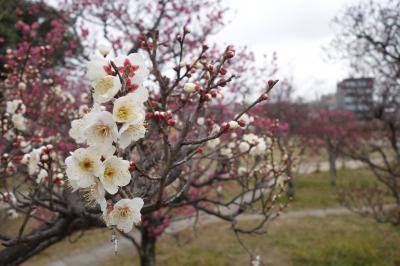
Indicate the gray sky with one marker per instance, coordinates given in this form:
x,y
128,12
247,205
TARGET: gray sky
x,y
295,29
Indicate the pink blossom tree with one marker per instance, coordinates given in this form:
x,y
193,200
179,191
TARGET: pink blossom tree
x,y
333,129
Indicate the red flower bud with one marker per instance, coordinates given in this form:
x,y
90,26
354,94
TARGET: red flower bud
x,y
171,122
230,53
199,150
270,83
132,166
149,115
224,126
222,82
264,97
241,123
222,71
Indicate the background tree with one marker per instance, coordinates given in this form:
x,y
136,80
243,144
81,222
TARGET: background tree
x,y
333,129
292,116
368,38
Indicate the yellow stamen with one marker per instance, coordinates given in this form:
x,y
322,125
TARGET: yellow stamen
x,y
104,84
103,130
123,113
124,212
108,173
87,165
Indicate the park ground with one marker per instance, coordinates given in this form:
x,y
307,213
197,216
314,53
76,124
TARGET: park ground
x,y
338,239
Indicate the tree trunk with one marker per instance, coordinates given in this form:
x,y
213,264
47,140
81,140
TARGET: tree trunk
x,y
147,248
290,185
48,234
343,163
332,167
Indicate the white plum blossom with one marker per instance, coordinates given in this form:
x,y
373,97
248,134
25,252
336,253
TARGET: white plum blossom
x,y
281,181
247,119
19,121
96,67
126,213
98,193
128,109
244,147
34,159
259,149
200,121
100,129
232,145
256,261
259,144
250,138
25,146
94,192
242,170
215,129
83,165
115,174
76,131
130,133
83,109
21,86
96,169
226,152
41,177
213,143
94,128
10,135
140,95
16,108
134,66
104,151
105,88
13,105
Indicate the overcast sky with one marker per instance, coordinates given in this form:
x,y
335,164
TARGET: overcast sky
x,y
295,29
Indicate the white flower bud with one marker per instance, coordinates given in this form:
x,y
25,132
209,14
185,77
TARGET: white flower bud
x,y
244,146
233,124
21,86
104,49
200,121
189,87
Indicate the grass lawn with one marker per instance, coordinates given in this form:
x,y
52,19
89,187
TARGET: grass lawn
x,y
314,191
333,240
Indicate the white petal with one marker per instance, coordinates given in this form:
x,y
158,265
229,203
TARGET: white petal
x,y
136,204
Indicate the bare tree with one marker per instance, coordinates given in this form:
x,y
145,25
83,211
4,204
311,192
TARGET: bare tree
x,y
369,38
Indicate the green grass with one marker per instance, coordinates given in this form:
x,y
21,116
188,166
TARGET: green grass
x,y
314,190
333,240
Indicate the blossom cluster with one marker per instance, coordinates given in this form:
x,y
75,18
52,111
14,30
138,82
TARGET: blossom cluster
x,y
16,109
116,120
